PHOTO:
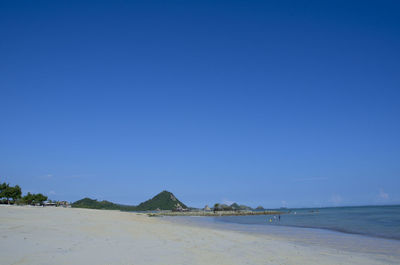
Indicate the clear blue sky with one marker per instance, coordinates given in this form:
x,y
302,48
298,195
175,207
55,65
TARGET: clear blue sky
x,y
273,103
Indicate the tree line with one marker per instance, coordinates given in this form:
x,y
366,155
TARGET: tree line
x,y
235,207
13,195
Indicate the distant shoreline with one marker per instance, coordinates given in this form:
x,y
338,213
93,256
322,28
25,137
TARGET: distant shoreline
x,y
214,214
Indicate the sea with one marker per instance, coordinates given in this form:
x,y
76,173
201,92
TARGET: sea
x,y
369,229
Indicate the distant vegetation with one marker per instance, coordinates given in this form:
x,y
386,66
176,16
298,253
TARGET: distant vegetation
x,y
162,201
13,195
165,200
33,199
105,205
234,207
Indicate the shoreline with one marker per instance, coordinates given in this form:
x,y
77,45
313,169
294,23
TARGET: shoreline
x,y
214,214
308,236
45,235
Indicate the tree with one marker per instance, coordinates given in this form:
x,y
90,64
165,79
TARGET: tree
x,y
15,192
216,207
34,198
3,189
29,198
7,192
40,198
3,186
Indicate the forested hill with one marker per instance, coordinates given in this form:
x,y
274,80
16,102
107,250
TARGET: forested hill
x,y
105,205
163,201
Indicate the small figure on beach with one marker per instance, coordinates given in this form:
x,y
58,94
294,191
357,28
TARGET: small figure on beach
x,y
279,217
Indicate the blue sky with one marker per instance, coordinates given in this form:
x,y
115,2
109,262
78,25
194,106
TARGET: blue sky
x,y
273,103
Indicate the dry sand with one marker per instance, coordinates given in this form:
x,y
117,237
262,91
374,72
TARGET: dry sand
x,y
36,235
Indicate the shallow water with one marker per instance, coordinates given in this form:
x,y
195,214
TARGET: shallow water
x,y
377,221
360,229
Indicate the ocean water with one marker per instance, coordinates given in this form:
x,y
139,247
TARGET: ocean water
x,y
369,229
375,221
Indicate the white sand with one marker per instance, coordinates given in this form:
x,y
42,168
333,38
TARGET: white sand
x,y
36,235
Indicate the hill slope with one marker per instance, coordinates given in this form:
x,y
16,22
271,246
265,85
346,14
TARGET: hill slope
x,y
106,205
164,201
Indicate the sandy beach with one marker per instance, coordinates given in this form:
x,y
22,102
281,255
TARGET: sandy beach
x,y
36,235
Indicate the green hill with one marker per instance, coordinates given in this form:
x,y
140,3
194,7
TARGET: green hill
x,y
164,201
106,205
